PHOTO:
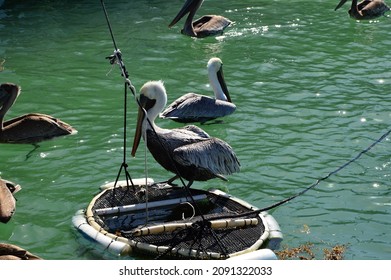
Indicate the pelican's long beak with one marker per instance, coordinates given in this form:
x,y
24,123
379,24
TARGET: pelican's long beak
x,y
190,6
145,105
137,135
220,77
340,4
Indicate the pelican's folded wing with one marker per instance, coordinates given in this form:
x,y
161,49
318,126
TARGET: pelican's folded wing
x,y
212,154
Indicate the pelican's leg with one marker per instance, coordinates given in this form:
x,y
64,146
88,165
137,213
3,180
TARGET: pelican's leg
x,y
169,181
36,146
172,180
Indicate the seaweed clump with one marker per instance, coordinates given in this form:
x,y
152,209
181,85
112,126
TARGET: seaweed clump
x,y
306,252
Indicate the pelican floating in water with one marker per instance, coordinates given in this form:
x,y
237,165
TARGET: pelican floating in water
x,y
367,9
13,252
188,152
30,128
7,200
208,25
193,107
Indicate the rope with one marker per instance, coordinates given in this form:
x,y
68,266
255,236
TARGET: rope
x,y
116,58
317,182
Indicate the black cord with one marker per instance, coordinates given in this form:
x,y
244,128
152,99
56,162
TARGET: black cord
x,y
335,171
117,58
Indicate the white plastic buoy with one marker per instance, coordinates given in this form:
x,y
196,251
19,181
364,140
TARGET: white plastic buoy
x,y
262,254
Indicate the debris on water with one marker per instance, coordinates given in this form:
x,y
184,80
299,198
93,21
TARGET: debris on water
x,y
306,252
335,253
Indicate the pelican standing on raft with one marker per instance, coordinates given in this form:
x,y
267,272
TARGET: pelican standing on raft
x,y
366,10
188,152
205,26
30,128
7,199
193,107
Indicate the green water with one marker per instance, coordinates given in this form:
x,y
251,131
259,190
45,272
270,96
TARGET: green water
x,y
312,89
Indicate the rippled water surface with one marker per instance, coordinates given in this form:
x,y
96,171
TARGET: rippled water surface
x,y
312,89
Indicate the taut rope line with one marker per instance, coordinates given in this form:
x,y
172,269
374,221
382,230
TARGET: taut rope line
x,y
317,182
117,58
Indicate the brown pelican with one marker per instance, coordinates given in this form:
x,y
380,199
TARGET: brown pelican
x,y
189,152
13,252
208,25
30,128
7,200
367,9
193,107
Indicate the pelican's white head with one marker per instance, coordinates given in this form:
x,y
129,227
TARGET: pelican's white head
x,y
155,90
214,64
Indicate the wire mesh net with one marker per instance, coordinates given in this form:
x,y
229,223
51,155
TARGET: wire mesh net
x,y
196,210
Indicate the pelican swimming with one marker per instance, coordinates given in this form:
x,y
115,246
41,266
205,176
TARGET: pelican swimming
x,y
365,10
7,200
208,25
13,252
30,128
193,107
188,152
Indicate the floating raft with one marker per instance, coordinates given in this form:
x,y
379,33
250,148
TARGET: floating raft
x,y
165,221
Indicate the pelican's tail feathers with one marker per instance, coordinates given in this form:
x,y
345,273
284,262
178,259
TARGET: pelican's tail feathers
x,y
221,177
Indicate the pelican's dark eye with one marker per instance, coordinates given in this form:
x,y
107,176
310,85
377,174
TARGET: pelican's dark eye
x,y
146,102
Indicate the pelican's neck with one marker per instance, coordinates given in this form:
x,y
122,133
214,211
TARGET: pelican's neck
x,y
3,111
1,119
214,82
7,104
148,125
188,26
354,11
152,114
354,6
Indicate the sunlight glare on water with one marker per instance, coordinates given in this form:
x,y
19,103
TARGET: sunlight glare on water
x,y
312,90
